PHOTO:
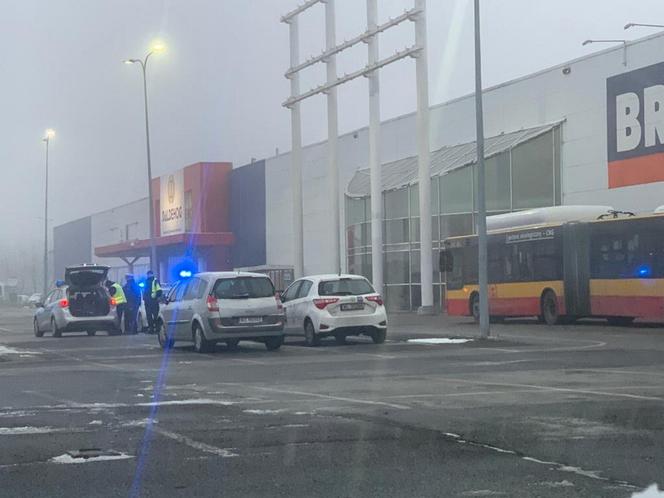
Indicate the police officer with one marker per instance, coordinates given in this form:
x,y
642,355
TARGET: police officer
x,y
116,292
133,294
151,294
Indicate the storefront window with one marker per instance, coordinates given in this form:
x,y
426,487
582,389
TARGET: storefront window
x,y
533,173
456,193
397,267
396,204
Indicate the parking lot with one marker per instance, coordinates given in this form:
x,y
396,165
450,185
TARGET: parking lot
x,y
535,411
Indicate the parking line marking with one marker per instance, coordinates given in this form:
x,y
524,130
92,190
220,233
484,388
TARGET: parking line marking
x,y
470,393
554,389
326,396
206,448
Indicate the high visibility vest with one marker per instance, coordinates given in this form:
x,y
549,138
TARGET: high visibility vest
x,y
155,288
119,296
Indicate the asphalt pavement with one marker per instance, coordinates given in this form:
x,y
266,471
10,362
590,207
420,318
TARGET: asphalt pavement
x,y
535,411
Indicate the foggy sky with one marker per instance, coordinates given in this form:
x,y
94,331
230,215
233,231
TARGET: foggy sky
x,y
217,92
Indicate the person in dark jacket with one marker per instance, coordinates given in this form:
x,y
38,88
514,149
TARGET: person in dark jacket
x,y
133,294
151,295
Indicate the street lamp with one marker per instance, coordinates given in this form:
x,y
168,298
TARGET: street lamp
x,y
50,133
157,47
635,24
624,42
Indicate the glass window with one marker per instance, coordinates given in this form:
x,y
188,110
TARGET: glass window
x,y
414,200
533,172
243,288
415,297
455,225
177,292
345,287
415,273
396,231
304,289
356,210
397,297
51,297
396,204
456,191
192,289
292,291
498,182
360,264
397,267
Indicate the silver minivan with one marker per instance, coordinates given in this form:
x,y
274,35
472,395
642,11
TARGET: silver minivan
x,y
228,307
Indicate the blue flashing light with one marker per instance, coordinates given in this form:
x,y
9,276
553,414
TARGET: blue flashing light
x,y
643,271
185,273
141,284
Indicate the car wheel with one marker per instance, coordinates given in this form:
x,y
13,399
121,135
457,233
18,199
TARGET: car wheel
x,y
91,332
475,307
274,343
549,308
38,333
232,343
54,329
340,339
201,344
164,341
379,336
310,336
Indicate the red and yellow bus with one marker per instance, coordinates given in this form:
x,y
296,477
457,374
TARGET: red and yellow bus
x,y
611,268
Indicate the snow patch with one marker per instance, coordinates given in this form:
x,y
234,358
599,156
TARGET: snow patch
x,y
652,491
95,422
558,484
262,412
18,413
439,340
6,350
66,458
15,431
139,423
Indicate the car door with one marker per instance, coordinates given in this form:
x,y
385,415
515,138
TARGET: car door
x,y
186,308
170,310
288,300
301,304
43,313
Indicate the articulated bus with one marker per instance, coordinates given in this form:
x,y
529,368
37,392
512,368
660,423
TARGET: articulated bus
x,y
610,268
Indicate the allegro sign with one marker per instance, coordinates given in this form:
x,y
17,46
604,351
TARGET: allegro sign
x,y
171,201
635,126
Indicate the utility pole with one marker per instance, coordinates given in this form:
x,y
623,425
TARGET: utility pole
x,y
423,160
374,154
296,152
47,138
333,133
481,190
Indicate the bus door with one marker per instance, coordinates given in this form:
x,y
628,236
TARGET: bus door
x,y
576,268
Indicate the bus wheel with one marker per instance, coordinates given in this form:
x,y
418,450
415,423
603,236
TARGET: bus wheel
x,y
620,321
549,308
475,307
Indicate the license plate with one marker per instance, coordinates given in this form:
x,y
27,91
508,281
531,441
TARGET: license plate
x,y
352,307
250,319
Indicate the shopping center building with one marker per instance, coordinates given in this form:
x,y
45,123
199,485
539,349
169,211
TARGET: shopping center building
x,y
589,131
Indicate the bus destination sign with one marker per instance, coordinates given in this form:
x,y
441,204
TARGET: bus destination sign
x,y
513,238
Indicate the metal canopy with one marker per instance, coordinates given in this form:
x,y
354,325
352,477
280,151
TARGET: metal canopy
x,y
403,172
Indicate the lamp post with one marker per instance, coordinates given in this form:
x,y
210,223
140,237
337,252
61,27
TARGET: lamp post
x,y
156,48
481,190
624,42
50,133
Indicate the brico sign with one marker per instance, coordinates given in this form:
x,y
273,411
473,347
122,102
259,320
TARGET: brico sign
x,y
635,120
171,200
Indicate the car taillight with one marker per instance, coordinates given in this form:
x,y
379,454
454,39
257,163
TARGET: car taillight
x,y
375,299
212,304
322,303
64,303
113,302
280,305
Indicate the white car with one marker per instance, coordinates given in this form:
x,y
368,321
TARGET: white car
x,y
334,305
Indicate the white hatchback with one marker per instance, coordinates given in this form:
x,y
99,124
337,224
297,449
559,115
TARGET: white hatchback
x,y
334,305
